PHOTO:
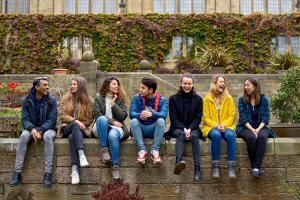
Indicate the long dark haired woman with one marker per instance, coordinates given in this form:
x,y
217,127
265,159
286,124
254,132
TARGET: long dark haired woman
x,y
254,115
110,112
76,115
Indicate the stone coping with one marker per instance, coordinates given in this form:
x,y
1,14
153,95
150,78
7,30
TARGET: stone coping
x,y
283,125
277,146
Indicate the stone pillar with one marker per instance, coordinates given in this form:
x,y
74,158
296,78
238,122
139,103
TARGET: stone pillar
x,y
145,66
88,70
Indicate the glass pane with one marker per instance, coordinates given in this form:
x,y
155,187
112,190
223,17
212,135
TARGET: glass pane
x,y
273,6
70,6
259,6
11,6
273,45
185,6
189,43
177,44
295,45
245,7
169,55
282,44
111,6
83,6
23,6
158,6
74,47
170,6
286,6
199,6
87,44
97,6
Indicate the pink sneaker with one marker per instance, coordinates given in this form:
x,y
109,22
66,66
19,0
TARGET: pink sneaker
x,y
142,157
155,157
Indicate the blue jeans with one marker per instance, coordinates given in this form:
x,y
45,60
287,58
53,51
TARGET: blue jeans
x,y
109,137
140,131
216,137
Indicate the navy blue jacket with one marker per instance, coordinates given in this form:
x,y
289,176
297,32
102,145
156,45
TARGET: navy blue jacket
x,y
48,113
245,114
137,106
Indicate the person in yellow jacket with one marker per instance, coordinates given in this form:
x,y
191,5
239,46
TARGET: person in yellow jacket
x,y
218,123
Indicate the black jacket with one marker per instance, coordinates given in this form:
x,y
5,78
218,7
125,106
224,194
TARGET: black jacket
x,y
185,111
48,113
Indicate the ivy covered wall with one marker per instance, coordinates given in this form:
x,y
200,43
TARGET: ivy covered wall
x,y
28,43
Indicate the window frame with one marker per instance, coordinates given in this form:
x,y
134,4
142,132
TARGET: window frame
x,y
275,51
183,49
80,46
90,7
266,7
178,7
4,7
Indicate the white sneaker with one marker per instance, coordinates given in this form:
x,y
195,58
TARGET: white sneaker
x,y
155,157
75,177
142,157
83,161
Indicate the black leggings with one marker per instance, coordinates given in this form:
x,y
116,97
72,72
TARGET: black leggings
x,y
73,132
194,138
256,146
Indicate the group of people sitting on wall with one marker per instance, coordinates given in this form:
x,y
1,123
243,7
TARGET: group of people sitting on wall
x,y
104,116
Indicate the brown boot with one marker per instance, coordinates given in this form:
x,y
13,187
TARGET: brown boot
x,y
105,156
115,171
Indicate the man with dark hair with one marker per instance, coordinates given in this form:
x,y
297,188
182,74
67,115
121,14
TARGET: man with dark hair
x,y
39,113
148,111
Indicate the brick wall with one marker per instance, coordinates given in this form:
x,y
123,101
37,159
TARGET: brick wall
x,y
281,179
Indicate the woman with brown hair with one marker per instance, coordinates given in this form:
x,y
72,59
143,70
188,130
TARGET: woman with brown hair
x,y
76,115
254,115
110,112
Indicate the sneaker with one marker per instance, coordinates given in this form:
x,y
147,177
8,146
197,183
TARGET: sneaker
x,y
155,157
255,173
15,179
105,156
179,167
83,161
47,180
75,177
142,157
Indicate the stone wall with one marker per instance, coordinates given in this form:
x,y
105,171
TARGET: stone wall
x,y
281,179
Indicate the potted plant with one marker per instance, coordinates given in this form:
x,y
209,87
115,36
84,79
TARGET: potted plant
x,y
62,57
282,62
214,58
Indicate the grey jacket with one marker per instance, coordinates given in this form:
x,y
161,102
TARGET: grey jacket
x,y
119,112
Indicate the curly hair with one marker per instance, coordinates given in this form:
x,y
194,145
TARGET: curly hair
x,y
105,88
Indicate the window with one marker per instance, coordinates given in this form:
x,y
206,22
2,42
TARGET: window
x,y
181,46
179,6
76,46
283,44
269,6
17,6
91,6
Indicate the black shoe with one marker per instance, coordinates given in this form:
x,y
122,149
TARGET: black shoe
x,y
179,167
47,180
197,174
15,179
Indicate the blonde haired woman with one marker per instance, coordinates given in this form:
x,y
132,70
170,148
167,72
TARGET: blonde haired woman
x,y
218,123
76,115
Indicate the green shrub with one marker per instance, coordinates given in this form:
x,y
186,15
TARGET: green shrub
x,y
10,112
285,102
282,62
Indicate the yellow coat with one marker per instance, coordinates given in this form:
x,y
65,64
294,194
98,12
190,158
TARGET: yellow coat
x,y
210,113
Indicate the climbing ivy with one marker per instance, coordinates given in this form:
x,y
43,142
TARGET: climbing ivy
x,y
28,42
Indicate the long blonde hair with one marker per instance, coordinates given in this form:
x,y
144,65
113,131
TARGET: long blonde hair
x,y
213,88
83,101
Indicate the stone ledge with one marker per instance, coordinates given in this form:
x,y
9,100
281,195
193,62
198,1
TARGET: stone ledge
x,y
277,146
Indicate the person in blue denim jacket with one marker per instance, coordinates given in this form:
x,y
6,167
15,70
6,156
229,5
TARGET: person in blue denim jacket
x,y
148,111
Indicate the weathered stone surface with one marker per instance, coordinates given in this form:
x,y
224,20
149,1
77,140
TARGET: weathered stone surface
x,y
200,191
293,174
83,189
87,175
1,188
162,197
65,161
7,163
287,146
238,196
36,192
161,189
